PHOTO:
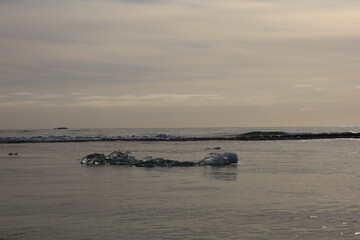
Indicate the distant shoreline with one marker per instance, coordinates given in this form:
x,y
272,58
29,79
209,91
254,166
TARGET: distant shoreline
x,y
301,136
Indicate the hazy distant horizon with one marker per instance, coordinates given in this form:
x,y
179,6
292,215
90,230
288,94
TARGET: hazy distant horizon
x,y
251,128
179,63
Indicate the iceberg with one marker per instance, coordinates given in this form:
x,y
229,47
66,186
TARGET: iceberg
x,y
120,158
94,159
218,159
126,159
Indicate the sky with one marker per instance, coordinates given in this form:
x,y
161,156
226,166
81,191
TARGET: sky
x,y
179,63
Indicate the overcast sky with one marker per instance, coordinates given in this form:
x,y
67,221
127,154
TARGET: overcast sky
x,y
179,63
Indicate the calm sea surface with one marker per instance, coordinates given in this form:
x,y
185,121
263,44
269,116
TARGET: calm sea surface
x,y
279,190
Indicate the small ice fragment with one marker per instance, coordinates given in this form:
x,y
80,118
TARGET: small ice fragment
x,y
147,158
312,217
344,223
324,227
357,233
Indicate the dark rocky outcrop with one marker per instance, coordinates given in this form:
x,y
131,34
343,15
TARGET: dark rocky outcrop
x,y
126,159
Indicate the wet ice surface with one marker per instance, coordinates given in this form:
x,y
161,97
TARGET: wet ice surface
x,y
279,190
126,159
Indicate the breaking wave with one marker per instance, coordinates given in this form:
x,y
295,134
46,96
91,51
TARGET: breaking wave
x,y
68,138
249,136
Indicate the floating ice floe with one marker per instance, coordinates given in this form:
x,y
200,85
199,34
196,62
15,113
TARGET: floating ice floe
x,y
94,159
126,159
218,159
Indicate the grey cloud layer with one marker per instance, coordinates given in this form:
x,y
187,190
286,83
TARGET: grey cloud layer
x,y
270,52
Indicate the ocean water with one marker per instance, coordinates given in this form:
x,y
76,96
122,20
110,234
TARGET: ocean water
x,y
296,189
42,135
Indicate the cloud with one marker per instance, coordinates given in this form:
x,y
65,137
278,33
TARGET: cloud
x,y
19,104
318,79
319,89
49,96
22,93
78,93
305,109
141,1
151,100
302,86
177,100
117,42
59,100
309,86
227,53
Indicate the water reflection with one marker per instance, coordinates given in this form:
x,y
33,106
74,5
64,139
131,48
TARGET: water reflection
x,y
228,173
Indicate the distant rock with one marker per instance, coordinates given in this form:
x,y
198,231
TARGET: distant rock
x,y
215,148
